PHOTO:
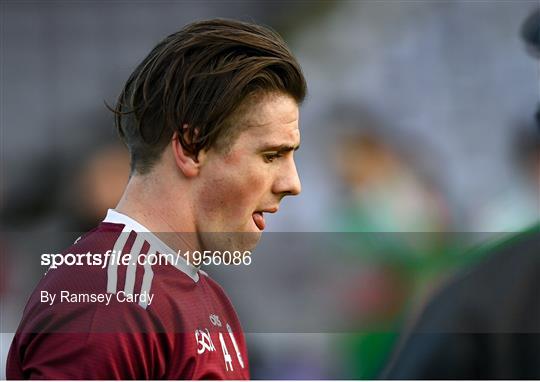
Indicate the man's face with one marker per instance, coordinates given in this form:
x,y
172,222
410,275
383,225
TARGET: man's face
x,y
239,186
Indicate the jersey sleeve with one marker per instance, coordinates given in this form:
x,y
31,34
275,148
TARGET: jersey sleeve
x,y
87,356
119,341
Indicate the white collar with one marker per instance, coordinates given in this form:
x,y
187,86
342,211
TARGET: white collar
x,y
130,224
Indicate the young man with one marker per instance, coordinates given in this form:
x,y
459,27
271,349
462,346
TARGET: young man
x,y
210,118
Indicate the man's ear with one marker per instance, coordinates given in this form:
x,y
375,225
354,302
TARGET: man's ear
x,y
189,164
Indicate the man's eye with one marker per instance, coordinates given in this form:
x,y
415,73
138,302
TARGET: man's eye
x,y
271,156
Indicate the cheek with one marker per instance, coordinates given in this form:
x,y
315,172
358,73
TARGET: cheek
x,y
233,193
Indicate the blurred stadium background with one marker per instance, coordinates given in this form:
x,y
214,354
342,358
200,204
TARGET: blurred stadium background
x,y
418,141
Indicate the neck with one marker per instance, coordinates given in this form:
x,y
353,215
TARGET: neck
x,y
163,209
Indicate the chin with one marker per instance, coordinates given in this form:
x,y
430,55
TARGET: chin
x,y
230,241
254,239
246,241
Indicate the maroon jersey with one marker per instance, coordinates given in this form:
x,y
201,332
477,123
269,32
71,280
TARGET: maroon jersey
x,y
134,321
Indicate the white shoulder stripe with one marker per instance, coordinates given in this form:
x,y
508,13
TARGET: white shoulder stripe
x,y
112,269
131,270
132,266
147,279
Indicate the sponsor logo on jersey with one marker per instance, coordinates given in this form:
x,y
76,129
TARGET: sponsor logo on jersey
x,y
214,319
204,341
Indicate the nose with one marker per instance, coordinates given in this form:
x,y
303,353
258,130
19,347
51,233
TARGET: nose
x,y
288,182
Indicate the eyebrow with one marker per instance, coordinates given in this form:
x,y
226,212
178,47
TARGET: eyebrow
x,y
280,148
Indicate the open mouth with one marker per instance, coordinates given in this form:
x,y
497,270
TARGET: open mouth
x,y
258,218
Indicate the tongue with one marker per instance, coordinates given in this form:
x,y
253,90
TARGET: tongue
x,y
259,220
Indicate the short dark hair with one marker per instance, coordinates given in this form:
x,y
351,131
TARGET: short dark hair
x,y
198,77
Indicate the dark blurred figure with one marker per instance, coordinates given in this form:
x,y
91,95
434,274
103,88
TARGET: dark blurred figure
x,y
486,323
530,32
